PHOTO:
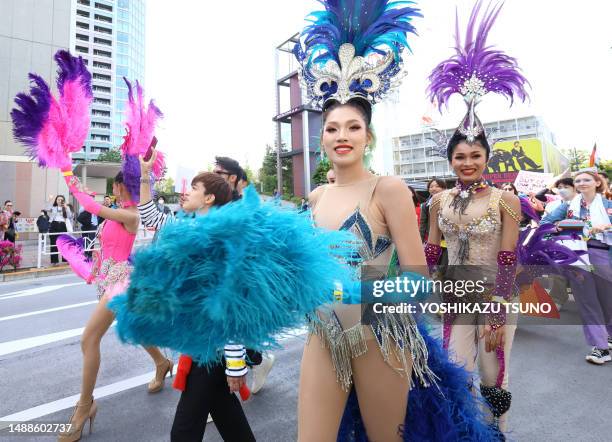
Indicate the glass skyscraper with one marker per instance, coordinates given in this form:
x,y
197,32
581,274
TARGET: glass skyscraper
x,y
110,36
130,56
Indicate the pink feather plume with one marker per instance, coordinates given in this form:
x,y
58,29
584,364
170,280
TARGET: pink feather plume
x,y
52,127
141,120
72,250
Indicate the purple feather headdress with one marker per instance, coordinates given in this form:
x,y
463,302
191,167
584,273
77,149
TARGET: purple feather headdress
x,y
475,70
141,119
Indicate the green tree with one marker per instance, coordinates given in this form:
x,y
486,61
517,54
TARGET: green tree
x,y
320,175
110,156
165,188
578,158
267,173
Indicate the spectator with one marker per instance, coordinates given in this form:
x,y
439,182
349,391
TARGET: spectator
x,y
607,193
43,222
60,216
5,217
108,202
303,205
566,191
417,203
509,187
331,176
11,232
89,226
434,186
161,205
591,288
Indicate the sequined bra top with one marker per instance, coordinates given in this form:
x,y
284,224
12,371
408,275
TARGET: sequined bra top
x,y
115,241
479,229
350,207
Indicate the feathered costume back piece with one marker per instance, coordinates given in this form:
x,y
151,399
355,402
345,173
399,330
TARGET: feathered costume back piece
x,y
52,127
73,250
353,48
476,69
141,119
242,273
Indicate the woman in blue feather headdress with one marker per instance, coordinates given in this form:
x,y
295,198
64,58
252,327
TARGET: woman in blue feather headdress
x,y
381,377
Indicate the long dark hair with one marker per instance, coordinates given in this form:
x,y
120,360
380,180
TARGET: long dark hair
x,y
415,198
458,137
64,214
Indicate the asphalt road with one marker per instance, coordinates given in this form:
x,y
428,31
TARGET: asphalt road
x,y
557,396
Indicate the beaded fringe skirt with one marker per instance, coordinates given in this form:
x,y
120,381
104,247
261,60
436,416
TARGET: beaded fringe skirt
x,y
397,336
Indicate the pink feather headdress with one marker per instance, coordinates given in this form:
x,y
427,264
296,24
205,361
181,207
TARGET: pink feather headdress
x,y
141,119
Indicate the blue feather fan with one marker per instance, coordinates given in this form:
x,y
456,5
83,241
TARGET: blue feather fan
x,y
243,273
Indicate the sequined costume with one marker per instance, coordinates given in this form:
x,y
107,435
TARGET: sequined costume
x,y
474,241
111,272
352,207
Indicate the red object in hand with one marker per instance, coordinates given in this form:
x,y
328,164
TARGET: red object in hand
x,y
245,393
149,153
184,367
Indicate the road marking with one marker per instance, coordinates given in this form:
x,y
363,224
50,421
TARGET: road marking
x,y
37,290
68,402
100,392
36,341
48,310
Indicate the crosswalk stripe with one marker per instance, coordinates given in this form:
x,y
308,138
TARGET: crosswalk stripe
x,y
48,310
68,402
36,341
37,291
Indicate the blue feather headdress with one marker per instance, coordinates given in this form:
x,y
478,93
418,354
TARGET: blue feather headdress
x,y
354,49
475,70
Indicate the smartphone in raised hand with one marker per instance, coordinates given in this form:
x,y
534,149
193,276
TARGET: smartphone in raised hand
x,y
149,153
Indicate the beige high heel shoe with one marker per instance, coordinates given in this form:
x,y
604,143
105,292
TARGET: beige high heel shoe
x,y
76,432
160,375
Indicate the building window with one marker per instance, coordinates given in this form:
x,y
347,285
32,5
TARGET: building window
x,y
83,2
103,18
125,4
122,36
86,61
82,25
97,76
82,49
82,13
100,125
82,37
102,29
101,89
104,7
99,64
102,53
100,137
100,113
102,100
102,41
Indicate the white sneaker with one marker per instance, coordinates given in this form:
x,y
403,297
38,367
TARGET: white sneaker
x,y
599,356
610,342
260,373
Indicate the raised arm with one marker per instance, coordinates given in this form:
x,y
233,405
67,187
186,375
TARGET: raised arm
x,y
150,215
126,217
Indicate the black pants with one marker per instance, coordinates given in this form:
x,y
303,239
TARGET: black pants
x,y
207,392
56,227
